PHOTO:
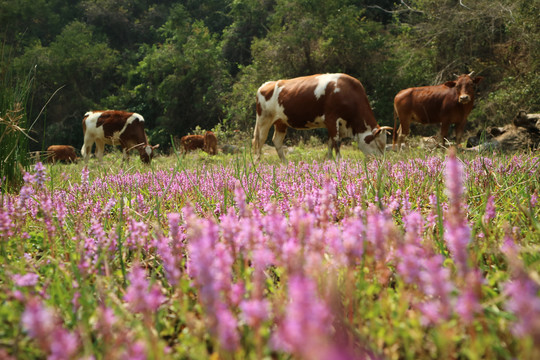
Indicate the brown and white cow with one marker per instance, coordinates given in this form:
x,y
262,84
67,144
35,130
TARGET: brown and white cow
x,y
192,142
337,102
61,153
448,103
115,127
210,143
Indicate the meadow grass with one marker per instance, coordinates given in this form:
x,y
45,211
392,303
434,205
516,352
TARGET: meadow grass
x,y
414,255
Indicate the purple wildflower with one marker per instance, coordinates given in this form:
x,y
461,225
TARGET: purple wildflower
x,y
353,240
436,283
137,234
171,262
254,311
175,231
37,320
240,199
40,174
490,212
135,351
6,225
454,179
142,298
468,303
524,303
28,279
40,323
458,236
64,345
227,328
457,230
85,177
306,325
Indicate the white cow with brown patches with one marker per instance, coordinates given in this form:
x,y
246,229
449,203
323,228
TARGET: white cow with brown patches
x,y
337,102
114,127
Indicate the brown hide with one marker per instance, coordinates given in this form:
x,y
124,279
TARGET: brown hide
x,y
337,102
210,143
119,128
445,104
192,142
61,153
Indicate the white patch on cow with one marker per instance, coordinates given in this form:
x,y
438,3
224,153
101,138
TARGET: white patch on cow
x,y
133,117
342,129
148,150
375,147
272,110
317,123
324,79
92,131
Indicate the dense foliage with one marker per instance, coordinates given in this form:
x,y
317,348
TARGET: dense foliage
x,y
183,64
406,257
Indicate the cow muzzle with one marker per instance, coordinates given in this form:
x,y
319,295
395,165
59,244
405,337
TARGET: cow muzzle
x,y
464,99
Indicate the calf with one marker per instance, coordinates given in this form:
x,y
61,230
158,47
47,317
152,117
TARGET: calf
x,y
114,127
61,153
192,142
210,143
446,104
337,102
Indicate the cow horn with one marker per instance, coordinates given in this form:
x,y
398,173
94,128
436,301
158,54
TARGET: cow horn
x,y
471,74
387,128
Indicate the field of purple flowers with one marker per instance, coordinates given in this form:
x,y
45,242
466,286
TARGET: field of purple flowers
x,y
398,258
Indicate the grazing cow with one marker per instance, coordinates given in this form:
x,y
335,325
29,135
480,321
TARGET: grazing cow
x,y
192,142
61,153
114,127
210,143
337,102
448,103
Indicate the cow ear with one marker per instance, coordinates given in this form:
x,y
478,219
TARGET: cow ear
x,y
478,79
450,84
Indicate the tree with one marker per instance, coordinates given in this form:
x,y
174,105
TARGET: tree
x,y
85,71
185,77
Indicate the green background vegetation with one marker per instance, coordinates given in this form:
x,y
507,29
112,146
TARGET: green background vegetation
x,y
183,64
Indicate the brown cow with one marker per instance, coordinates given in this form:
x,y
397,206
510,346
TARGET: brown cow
x,y
337,102
114,127
192,142
210,143
61,153
449,103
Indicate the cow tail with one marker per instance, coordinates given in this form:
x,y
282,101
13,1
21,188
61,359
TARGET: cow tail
x,y
255,141
394,133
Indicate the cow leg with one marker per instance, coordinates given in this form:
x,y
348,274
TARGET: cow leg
x,y
100,149
329,155
86,150
460,128
280,130
333,137
333,144
403,133
445,127
262,127
125,155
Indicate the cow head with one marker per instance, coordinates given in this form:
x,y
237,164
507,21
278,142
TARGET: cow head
x,y
147,152
464,86
374,143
